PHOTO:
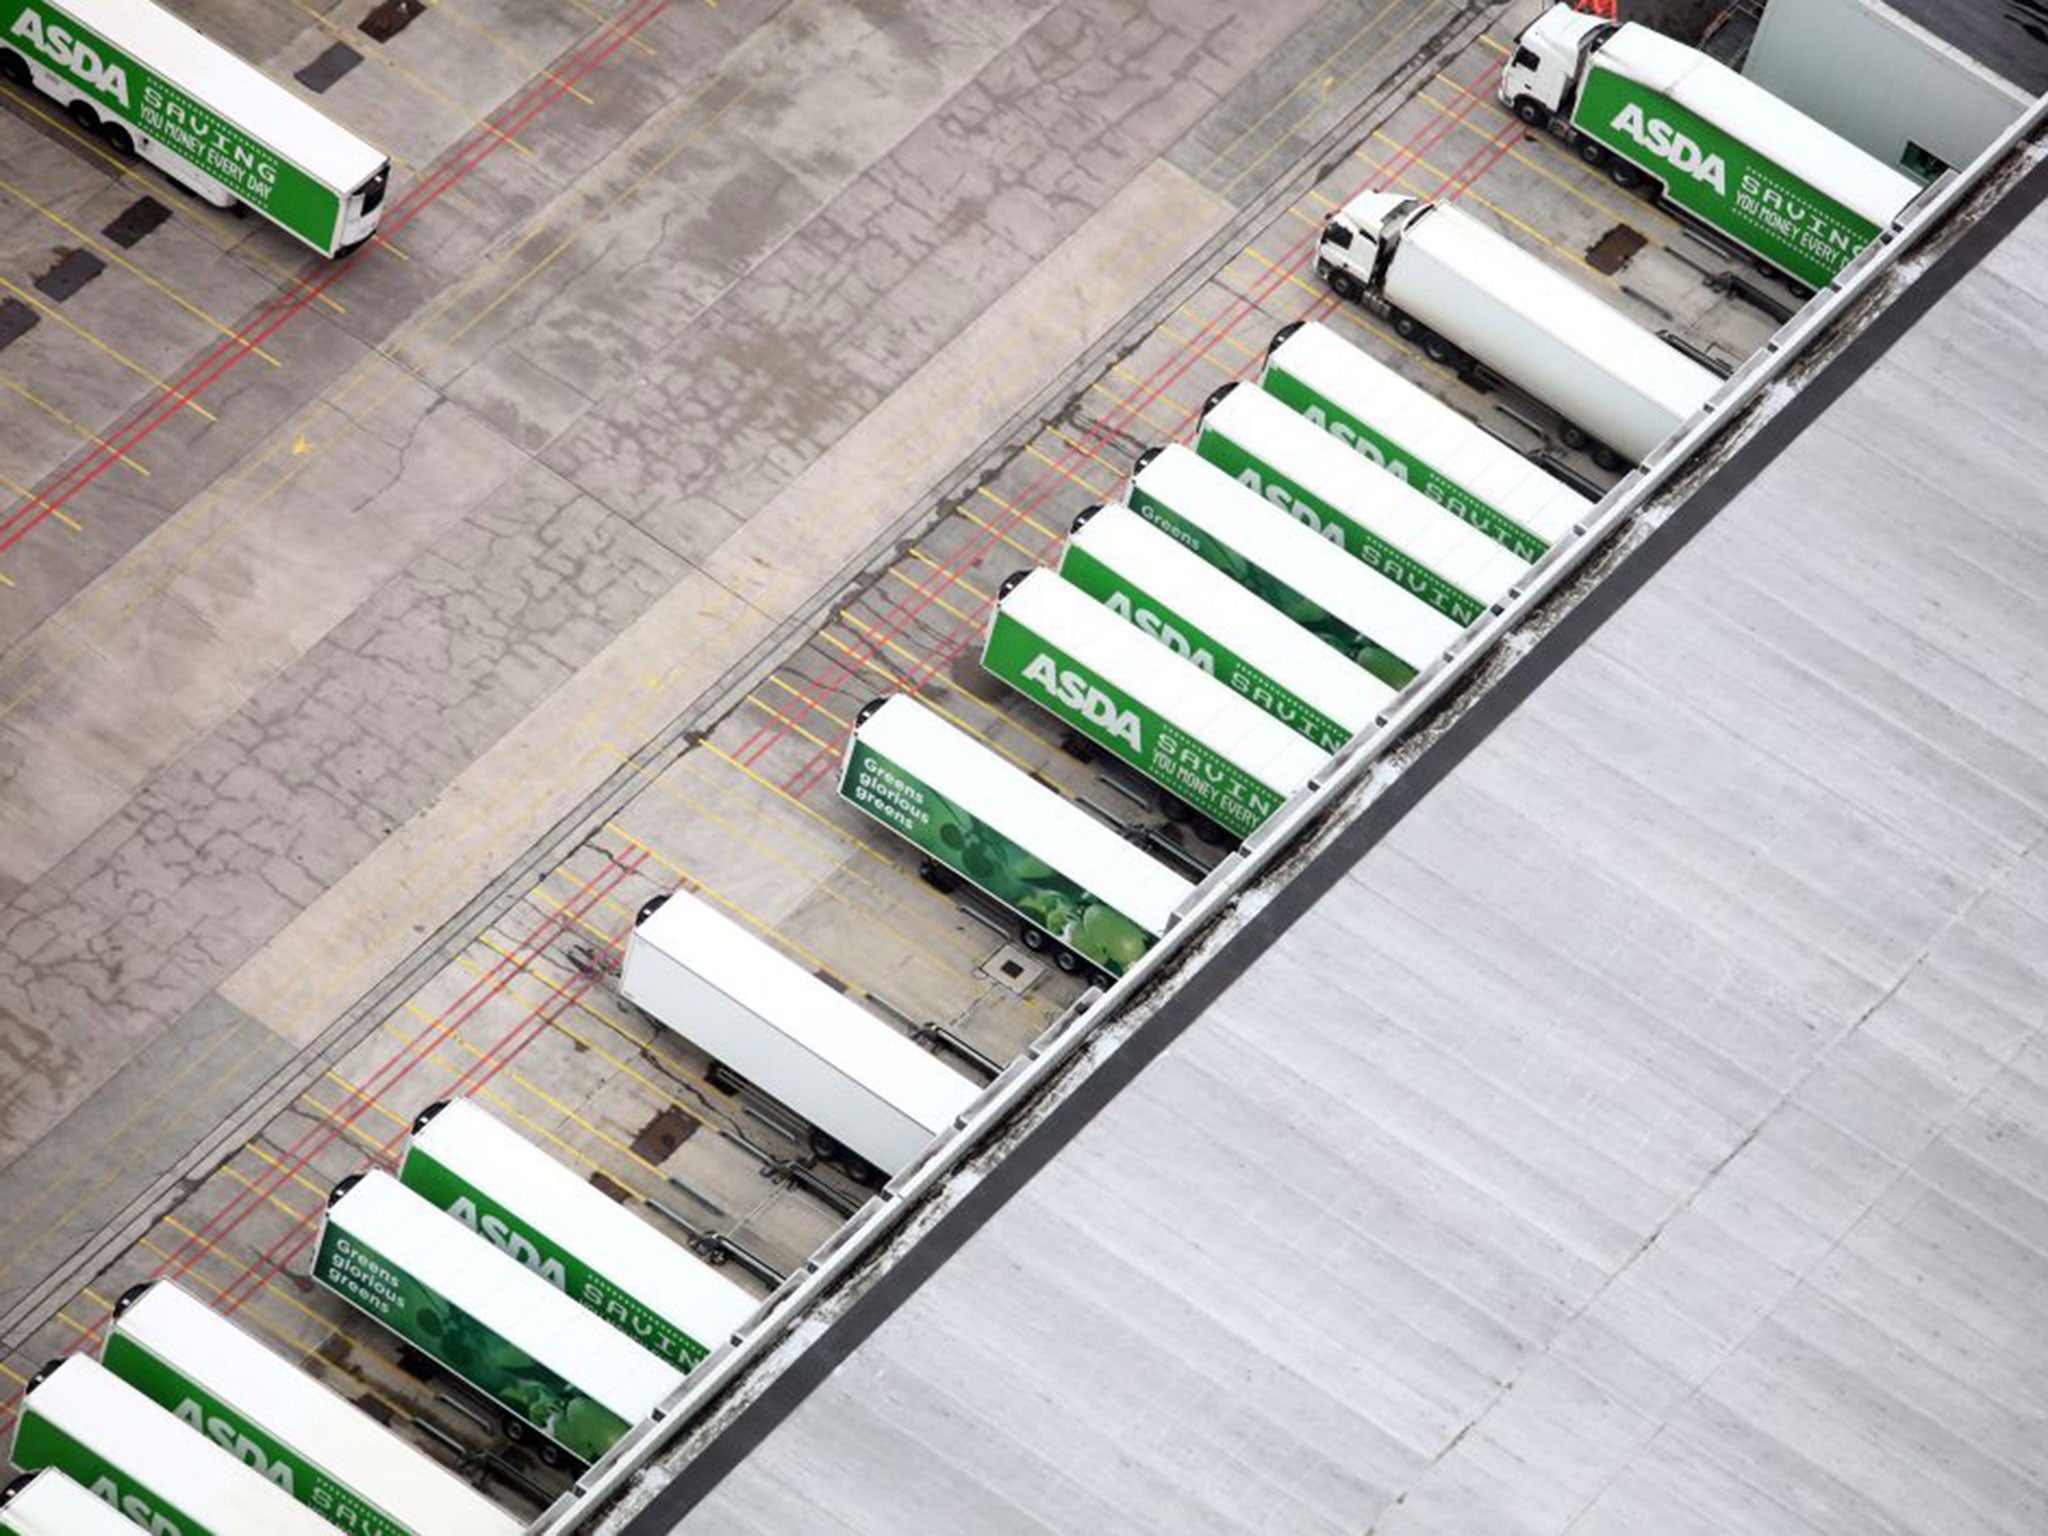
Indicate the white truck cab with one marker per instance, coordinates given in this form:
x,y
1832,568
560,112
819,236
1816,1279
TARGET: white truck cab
x,y
1548,61
1357,238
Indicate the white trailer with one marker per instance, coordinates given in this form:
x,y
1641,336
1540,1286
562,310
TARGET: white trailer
x,y
1452,284
573,1235
82,1419
1419,440
1416,543
553,1370
48,1503
267,1414
1072,884
864,1086
1149,579
1715,147
1205,745
1388,631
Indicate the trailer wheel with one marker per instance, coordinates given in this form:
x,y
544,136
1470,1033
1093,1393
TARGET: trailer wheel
x,y
1033,939
1606,457
1573,434
1067,960
1624,175
81,113
1437,350
119,140
1592,152
15,67
1407,327
1532,112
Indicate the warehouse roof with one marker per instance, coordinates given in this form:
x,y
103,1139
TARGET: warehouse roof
x,y
1638,1123
2008,37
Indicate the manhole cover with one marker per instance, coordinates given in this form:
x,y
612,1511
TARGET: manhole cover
x,y
1014,968
1611,252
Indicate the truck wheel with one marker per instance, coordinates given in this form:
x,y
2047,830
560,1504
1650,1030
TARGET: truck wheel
x,y
1592,153
118,140
1407,327
1437,350
81,113
1532,112
1346,287
1606,457
14,67
1574,435
1624,175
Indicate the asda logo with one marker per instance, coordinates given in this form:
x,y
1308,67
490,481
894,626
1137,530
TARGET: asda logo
x,y
1079,694
516,1244
226,1434
1285,500
1350,436
55,43
135,1507
1672,147
1162,630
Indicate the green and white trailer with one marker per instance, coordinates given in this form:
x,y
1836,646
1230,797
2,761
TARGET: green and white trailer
x,y
575,1237
552,1368
1387,631
1419,440
1147,578
154,86
1069,880
1799,198
85,1421
281,1423
1208,747
1412,541
47,1503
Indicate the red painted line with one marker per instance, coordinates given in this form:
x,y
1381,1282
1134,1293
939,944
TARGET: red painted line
x,y
467,157
1481,160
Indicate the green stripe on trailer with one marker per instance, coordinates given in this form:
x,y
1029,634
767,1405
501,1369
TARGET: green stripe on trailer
x,y
1418,439
1150,580
572,1235
279,1421
1007,871
106,1436
1388,632
129,92
1173,732
1397,532
48,1503
377,1212
1725,183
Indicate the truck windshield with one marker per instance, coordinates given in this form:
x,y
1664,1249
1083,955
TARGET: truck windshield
x,y
1337,234
371,192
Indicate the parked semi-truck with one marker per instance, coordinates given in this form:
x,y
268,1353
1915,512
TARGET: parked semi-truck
x,y
573,1235
1145,576
1462,291
1073,885
1797,197
1388,631
1414,542
1205,745
554,1371
1418,439
85,1421
48,1503
151,85
329,1455
864,1087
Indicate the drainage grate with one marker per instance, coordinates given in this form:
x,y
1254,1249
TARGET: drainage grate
x,y
72,271
16,321
135,221
392,17
663,1134
337,61
1611,252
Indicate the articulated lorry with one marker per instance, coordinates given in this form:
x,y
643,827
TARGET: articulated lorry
x,y
1206,746
554,1371
80,1418
865,1088
573,1235
1074,886
1145,576
48,1503
1384,629
152,86
1800,199
270,1416
1414,542
1464,292
1419,440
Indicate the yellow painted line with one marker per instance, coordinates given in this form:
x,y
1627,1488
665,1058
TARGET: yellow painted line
x,y
899,574
958,580
1293,277
11,1373
1495,43
270,1199
28,495
276,1164
1080,448
606,24
83,431
1029,554
128,266
304,1346
523,60
784,721
817,706
125,361
1470,196
1138,411
1062,471
76,1326
808,810
1227,337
